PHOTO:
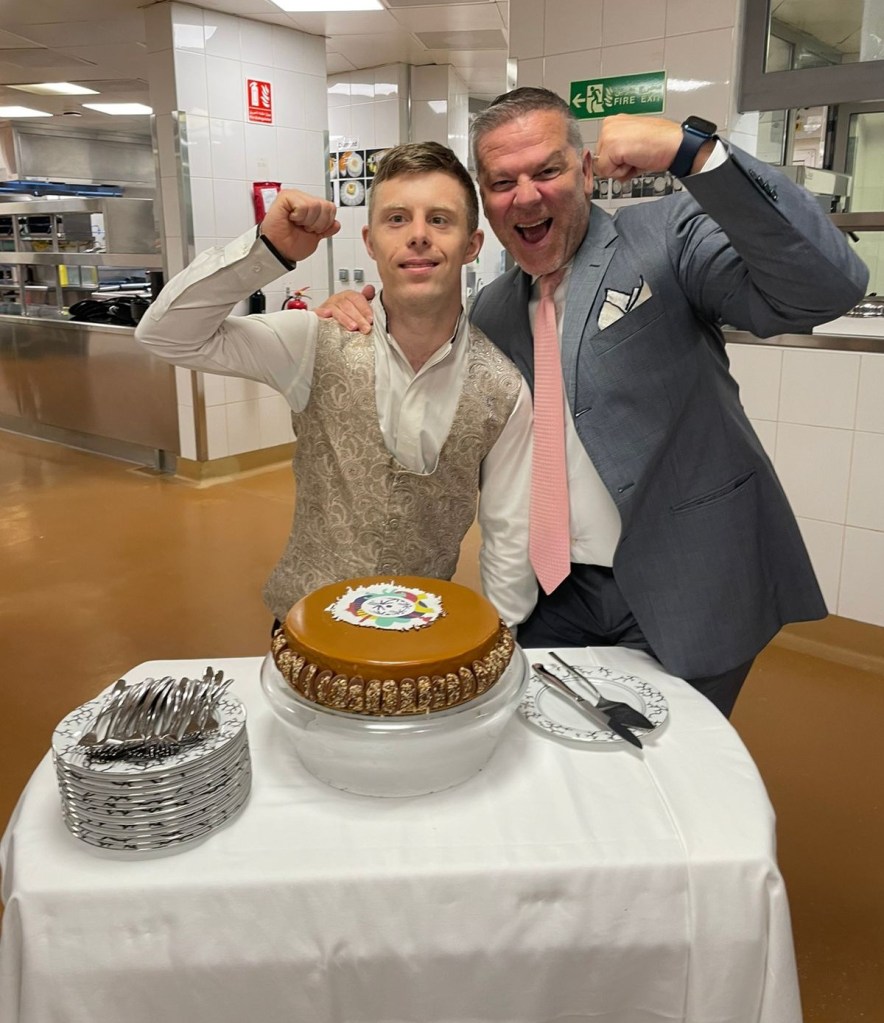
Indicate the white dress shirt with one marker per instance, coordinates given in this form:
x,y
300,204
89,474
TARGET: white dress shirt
x,y
595,520
190,325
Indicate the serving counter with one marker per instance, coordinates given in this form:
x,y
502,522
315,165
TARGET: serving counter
x,y
88,385
846,335
92,386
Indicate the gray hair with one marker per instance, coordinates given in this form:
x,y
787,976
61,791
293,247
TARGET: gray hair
x,y
516,103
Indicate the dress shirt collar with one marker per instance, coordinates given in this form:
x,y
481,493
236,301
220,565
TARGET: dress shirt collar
x,y
461,332
536,277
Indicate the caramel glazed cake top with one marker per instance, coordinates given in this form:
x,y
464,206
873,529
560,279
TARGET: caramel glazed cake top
x,y
378,646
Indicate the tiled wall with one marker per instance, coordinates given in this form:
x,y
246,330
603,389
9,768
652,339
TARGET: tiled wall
x,y
559,41
210,154
370,109
366,110
820,416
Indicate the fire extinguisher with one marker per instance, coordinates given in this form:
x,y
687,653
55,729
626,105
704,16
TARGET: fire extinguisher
x,y
296,300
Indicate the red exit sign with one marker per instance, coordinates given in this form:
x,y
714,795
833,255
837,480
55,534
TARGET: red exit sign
x,y
260,101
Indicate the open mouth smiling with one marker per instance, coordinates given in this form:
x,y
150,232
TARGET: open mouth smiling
x,y
536,232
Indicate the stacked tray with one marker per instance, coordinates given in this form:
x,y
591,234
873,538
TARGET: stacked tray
x,y
152,805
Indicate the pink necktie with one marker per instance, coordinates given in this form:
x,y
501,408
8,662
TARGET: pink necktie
x,y
549,542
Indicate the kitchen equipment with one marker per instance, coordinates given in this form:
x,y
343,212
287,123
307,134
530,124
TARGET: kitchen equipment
x,y
871,305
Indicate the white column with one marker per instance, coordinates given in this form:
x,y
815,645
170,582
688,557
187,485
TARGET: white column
x,y
209,153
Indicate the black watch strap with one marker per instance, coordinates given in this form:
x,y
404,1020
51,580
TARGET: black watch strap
x,y
695,131
287,263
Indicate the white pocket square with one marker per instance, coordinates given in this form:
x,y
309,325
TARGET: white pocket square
x,y
619,303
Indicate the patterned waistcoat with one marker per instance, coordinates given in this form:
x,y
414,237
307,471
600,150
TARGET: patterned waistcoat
x,y
358,510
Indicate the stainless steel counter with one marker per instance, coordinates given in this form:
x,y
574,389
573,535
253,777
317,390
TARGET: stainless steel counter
x,y
820,342
89,385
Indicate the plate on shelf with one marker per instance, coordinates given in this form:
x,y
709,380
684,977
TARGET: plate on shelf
x,y
352,193
354,165
552,712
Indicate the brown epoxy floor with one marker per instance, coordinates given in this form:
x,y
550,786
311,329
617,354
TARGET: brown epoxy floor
x,y
105,565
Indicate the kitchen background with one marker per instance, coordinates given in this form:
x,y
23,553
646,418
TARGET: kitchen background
x,y
817,411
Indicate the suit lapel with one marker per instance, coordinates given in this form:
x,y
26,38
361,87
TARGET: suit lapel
x,y
590,264
512,329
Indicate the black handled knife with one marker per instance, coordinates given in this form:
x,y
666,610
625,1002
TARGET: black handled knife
x,y
587,707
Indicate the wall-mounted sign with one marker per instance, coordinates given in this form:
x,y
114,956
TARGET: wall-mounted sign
x,y
260,101
626,94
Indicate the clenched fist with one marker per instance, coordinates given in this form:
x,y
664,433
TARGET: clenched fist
x,y
296,223
629,145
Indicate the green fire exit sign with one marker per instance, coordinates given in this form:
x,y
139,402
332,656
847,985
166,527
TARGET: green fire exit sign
x,y
626,94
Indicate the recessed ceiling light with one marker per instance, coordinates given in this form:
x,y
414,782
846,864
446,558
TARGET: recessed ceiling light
x,y
55,89
119,108
22,112
319,6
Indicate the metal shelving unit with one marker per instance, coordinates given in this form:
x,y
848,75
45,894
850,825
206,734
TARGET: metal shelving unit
x,y
63,250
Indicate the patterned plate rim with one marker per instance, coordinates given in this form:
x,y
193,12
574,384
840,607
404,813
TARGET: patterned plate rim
x,y
71,727
126,826
138,784
652,703
85,805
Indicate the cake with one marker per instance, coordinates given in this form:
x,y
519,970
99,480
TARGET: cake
x,y
381,646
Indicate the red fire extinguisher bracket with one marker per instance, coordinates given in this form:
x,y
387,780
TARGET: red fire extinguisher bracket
x,y
263,194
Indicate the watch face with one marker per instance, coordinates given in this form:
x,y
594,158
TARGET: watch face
x,y
701,125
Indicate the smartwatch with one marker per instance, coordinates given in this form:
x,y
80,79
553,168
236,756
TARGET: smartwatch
x,y
696,131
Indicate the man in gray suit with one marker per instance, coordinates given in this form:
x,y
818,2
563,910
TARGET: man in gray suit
x,y
682,541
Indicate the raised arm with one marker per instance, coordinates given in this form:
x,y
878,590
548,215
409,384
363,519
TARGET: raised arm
x,y
190,323
755,250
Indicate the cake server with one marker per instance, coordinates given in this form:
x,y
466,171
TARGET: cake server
x,y
625,714
588,708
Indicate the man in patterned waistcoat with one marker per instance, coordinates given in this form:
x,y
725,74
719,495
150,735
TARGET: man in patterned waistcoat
x,y
398,430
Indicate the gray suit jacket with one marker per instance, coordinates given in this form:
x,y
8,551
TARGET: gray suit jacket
x,y
710,558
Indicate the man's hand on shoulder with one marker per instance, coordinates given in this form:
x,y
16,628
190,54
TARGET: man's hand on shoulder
x,y
351,309
296,223
630,145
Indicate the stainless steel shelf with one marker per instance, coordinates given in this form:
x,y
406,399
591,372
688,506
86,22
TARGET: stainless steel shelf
x,y
872,221
137,260
819,342
40,207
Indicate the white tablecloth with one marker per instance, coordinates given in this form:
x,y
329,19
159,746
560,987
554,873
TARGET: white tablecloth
x,y
562,884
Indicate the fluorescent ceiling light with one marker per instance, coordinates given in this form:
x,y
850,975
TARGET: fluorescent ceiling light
x,y
311,6
55,89
22,112
686,84
119,108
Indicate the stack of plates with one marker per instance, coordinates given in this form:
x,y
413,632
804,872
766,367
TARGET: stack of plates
x,y
151,805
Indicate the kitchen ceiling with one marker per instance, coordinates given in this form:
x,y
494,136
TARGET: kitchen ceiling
x,y
100,44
